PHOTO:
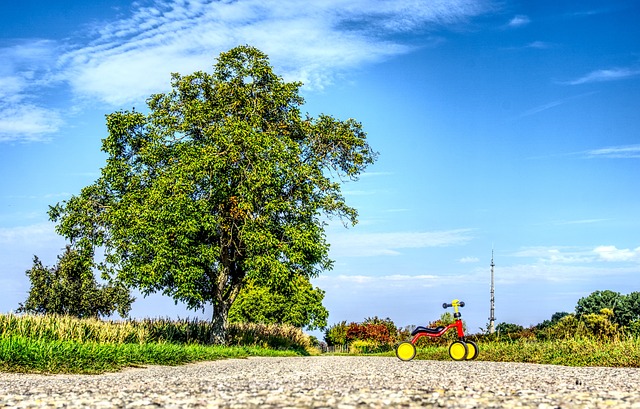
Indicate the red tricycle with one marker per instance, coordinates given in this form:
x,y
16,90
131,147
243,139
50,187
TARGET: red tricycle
x,y
458,350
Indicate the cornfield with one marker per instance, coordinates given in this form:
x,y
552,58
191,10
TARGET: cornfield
x,y
182,331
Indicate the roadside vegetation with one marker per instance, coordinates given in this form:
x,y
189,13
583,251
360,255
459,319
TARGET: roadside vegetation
x,y
603,331
64,344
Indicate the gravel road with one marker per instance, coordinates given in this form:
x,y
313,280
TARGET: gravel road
x,y
331,382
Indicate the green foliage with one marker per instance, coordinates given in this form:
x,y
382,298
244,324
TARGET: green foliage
x,y
625,308
508,328
299,305
336,334
224,180
69,288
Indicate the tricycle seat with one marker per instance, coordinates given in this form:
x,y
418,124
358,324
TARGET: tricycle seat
x,y
427,330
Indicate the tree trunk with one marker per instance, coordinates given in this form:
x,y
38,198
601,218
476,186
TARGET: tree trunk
x,y
219,324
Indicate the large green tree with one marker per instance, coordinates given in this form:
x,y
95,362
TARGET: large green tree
x,y
626,308
222,181
299,304
70,288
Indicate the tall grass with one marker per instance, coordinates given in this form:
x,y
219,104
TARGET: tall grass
x,y
61,344
18,354
587,351
184,331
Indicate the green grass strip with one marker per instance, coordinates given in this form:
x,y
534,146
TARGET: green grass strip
x,y
18,354
569,352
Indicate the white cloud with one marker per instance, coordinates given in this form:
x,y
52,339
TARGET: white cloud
x,y
612,253
388,244
26,66
558,273
557,254
615,152
132,58
605,75
578,255
518,21
541,45
127,60
24,236
384,281
465,260
27,122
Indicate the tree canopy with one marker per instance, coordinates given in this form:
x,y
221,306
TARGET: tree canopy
x,y
625,308
222,181
70,288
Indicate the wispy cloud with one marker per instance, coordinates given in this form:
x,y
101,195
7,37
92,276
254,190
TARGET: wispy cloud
x,y
578,255
614,152
518,21
613,74
389,244
466,260
612,253
27,122
131,58
557,254
121,63
551,105
26,67
540,45
579,221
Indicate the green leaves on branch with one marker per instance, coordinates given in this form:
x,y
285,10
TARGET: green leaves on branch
x,y
300,305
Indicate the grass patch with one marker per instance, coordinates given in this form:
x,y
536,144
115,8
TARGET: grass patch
x,y
18,354
567,352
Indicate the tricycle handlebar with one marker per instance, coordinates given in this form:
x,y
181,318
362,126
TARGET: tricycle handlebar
x,y
454,303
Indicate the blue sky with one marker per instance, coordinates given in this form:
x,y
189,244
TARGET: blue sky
x,y
504,125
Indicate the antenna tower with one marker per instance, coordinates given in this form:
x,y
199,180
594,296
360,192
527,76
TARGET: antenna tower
x,y
492,317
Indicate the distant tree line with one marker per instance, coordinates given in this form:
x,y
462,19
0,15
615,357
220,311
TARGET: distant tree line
x,y
601,314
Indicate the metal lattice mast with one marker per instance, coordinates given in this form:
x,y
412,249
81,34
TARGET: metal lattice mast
x,y
492,316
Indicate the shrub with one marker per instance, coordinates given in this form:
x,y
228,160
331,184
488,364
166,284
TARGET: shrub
x,y
368,347
378,333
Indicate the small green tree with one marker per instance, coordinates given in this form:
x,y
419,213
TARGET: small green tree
x,y
336,334
223,180
299,305
69,288
555,318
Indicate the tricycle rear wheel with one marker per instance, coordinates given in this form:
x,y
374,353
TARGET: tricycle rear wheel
x,y
458,350
405,351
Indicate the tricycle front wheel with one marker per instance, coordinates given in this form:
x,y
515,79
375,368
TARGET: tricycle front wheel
x,y
472,348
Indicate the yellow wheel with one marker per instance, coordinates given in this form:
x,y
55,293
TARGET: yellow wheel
x,y
458,350
472,350
406,351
